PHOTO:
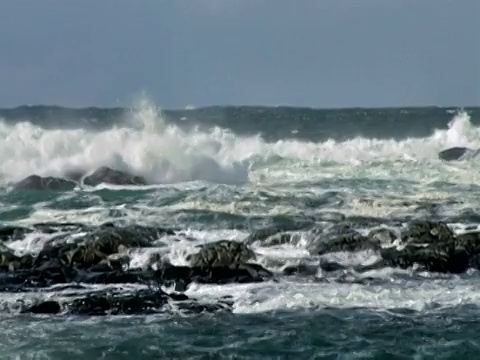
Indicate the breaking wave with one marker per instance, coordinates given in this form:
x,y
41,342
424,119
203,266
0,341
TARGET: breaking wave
x,y
164,153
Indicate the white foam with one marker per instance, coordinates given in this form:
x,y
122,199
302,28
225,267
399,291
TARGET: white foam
x,y
163,153
144,145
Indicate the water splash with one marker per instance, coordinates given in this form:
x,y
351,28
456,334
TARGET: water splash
x,y
146,145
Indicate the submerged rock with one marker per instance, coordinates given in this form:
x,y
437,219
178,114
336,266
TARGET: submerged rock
x,y
110,176
221,253
35,182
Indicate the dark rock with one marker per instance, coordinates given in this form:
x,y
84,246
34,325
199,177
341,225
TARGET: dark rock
x,y
339,237
11,233
300,269
456,153
35,182
115,177
427,232
46,307
440,257
142,302
8,260
221,253
245,273
382,236
470,242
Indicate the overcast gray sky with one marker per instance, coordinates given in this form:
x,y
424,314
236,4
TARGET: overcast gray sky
x,y
322,53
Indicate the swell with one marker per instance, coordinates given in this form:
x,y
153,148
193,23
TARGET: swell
x,y
145,144
273,123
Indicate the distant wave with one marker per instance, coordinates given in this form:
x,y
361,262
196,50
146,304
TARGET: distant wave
x,y
145,144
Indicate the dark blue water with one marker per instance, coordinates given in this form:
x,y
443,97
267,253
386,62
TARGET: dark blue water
x,y
322,334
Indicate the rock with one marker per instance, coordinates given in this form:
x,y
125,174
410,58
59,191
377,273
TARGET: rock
x,y
339,237
470,242
245,273
115,177
141,302
457,153
12,233
221,253
106,241
300,269
427,232
35,182
440,257
46,307
382,236
7,259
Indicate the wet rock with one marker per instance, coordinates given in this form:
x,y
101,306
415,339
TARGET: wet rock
x,y
101,244
142,302
244,273
12,233
35,182
470,242
221,253
46,307
382,236
456,153
110,176
440,257
7,259
300,269
427,232
339,237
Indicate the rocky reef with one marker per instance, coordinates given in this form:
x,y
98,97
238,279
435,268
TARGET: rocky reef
x,y
74,178
101,255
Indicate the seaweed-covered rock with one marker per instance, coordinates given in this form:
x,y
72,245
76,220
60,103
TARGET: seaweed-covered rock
x,y
110,176
221,253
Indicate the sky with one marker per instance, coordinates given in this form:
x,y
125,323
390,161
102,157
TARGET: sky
x,y
320,53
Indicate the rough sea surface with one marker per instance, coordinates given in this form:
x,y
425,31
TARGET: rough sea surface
x,y
224,172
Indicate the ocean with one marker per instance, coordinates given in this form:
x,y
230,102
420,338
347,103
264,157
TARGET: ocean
x,y
276,180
